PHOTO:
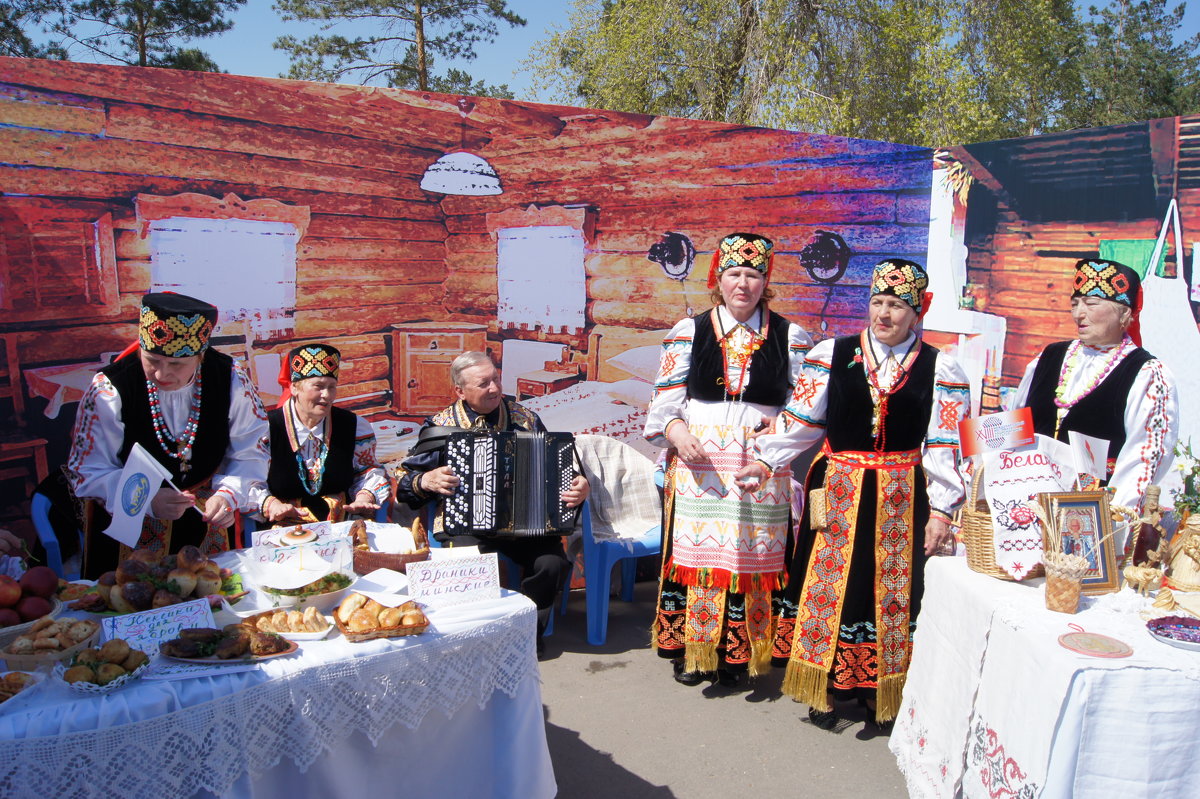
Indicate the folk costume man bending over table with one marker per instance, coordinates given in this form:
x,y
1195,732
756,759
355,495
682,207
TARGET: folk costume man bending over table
x,y
482,406
193,410
1104,384
321,455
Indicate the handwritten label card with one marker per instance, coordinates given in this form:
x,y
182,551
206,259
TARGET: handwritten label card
x,y
147,629
453,581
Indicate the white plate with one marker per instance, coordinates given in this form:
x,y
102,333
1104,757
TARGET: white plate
x,y
1189,645
317,636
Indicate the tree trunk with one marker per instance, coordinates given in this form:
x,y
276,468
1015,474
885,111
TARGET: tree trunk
x,y
419,37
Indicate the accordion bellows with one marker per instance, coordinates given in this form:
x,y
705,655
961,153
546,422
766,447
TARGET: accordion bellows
x,y
511,484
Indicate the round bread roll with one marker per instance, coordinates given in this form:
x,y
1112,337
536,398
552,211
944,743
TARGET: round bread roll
x,y
373,607
189,557
184,579
114,651
413,618
150,557
208,579
390,617
130,571
298,535
139,596
88,657
348,606
163,598
79,673
362,621
109,672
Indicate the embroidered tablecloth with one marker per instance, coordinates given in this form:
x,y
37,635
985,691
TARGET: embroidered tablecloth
x,y
304,719
995,707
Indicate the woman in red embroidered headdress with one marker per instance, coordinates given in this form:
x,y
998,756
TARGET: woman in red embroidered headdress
x,y
194,410
1104,384
323,463
724,375
888,407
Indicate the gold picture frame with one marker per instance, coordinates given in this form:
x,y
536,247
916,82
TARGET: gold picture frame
x,y
1082,525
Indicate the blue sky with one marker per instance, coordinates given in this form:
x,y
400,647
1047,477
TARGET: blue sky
x,y
247,50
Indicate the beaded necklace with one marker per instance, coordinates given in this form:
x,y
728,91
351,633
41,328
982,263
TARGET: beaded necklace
x,y
310,478
1069,366
178,448
880,396
739,352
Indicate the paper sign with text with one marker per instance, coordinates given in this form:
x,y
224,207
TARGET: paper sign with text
x,y
149,628
453,581
996,431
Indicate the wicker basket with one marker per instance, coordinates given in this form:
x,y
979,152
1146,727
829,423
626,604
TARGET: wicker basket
x,y
368,560
31,662
382,632
978,535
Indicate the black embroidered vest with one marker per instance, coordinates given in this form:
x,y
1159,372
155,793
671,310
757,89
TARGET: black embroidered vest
x,y
212,435
284,476
1101,413
769,373
848,418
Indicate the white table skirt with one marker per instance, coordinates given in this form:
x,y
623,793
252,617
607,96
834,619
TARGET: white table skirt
x,y
454,711
995,707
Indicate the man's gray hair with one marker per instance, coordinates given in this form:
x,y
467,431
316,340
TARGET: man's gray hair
x,y
464,362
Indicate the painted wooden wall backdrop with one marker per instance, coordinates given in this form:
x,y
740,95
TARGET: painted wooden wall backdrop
x,y
85,139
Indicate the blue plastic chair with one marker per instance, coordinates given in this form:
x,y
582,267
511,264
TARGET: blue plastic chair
x,y
40,511
599,558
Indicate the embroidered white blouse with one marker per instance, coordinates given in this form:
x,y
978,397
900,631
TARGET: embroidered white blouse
x,y
94,469
671,400
803,422
1151,419
369,475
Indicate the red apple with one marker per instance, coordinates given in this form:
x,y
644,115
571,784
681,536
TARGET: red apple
x,y
40,581
10,591
8,617
33,607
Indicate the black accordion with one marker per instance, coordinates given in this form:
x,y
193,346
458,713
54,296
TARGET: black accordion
x,y
510,484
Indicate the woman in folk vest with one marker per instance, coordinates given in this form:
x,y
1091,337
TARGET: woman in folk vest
x,y
723,376
323,462
1104,384
887,406
194,410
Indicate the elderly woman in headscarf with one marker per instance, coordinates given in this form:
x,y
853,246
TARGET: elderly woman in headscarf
x,y
887,406
323,462
1103,384
723,376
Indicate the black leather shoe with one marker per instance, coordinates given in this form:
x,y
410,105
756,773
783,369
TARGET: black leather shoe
x,y
688,677
822,719
729,679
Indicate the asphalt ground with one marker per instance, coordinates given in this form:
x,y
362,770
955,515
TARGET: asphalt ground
x,y
618,725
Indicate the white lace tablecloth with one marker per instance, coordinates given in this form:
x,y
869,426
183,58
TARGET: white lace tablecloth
x,y
316,718
995,707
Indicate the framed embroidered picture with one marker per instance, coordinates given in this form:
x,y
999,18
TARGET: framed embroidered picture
x,y
1082,525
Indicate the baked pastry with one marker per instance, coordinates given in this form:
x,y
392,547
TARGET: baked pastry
x,y
361,621
108,672
114,651
390,617
348,606
79,673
